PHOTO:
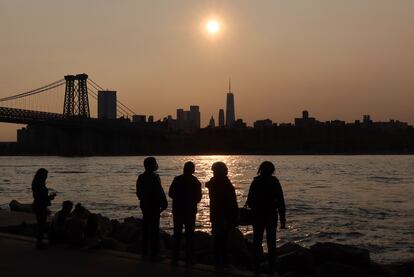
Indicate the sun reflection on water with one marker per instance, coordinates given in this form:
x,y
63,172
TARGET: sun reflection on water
x,y
352,199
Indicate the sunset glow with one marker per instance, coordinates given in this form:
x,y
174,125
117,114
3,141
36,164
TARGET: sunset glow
x,y
213,26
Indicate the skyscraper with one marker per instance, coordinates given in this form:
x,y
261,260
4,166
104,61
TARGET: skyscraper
x,y
212,124
107,104
221,118
195,116
230,113
180,119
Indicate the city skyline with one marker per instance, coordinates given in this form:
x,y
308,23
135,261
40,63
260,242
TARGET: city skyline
x,y
339,60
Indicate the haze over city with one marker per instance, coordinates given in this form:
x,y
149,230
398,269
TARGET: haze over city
x,y
339,60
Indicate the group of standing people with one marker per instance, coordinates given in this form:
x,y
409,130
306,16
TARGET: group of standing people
x,y
265,199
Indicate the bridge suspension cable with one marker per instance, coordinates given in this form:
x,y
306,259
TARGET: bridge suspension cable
x,y
35,91
126,111
49,98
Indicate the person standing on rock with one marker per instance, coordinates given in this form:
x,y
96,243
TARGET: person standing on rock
x,y
266,201
223,210
152,203
42,200
185,191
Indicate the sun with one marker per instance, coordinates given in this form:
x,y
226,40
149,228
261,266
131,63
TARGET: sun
x,y
213,26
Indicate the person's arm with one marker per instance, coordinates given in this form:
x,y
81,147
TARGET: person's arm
x,y
171,191
250,195
163,202
45,196
199,193
139,187
281,206
233,202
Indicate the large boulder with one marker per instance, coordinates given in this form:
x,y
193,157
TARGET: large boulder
x,y
104,225
16,206
339,253
330,269
166,241
239,249
299,260
127,232
290,247
202,242
403,269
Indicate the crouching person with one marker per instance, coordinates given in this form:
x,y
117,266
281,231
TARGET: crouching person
x,y
57,226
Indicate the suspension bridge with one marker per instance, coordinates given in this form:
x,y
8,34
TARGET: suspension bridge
x,y
63,102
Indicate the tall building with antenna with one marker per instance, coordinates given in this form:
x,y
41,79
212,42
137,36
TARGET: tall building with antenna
x,y
230,111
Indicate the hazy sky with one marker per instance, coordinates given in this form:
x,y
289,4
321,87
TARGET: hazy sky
x,y
338,59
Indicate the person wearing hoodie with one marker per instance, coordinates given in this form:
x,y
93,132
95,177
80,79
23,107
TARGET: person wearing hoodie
x,y
266,201
223,210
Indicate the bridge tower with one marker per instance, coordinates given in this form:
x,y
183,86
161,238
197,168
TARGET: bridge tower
x,y
76,96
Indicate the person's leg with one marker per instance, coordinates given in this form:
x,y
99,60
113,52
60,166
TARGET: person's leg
x,y
178,229
258,229
189,232
217,241
145,234
225,247
41,217
271,243
154,235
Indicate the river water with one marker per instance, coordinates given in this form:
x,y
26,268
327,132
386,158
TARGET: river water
x,y
366,201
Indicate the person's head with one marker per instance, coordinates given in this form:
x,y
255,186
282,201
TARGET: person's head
x,y
150,164
266,169
79,210
219,169
40,176
67,206
189,168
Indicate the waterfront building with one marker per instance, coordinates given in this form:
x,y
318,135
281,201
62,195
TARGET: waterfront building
x,y
212,123
265,123
221,118
188,120
305,120
137,118
195,117
230,110
180,119
106,104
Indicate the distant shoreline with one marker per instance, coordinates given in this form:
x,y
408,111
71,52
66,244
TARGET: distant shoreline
x,y
210,154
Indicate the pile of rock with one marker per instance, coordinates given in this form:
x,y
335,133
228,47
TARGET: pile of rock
x,y
320,260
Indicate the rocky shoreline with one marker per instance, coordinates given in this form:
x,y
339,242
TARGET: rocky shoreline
x,y
319,260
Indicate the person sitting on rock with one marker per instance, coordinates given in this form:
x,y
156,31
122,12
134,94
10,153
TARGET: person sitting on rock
x,y
152,202
223,211
57,226
93,237
185,191
41,201
266,200
75,227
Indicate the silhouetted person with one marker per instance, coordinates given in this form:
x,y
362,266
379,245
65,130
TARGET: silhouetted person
x,y
266,200
185,192
57,226
152,203
41,202
223,210
75,227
